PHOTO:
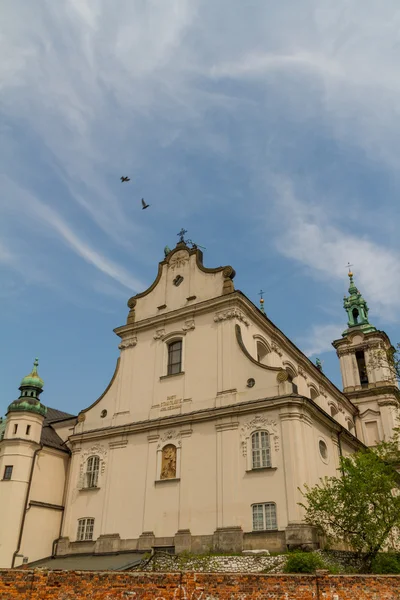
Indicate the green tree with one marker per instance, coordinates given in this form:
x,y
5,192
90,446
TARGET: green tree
x,y
360,507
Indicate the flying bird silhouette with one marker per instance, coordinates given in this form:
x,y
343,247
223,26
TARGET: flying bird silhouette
x,y
123,179
144,205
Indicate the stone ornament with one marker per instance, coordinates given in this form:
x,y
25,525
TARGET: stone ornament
x,y
302,372
178,260
233,313
275,348
255,424
189,325
128,343
282,376
131,315
170,436
159,334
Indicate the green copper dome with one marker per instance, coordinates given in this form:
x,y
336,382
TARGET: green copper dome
x,y
25,404
33,379
31,388
357,309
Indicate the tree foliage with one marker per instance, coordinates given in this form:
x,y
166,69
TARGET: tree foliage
x,y
362,507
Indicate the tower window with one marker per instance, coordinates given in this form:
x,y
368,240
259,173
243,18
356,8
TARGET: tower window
x,y
28,429
362,368
355,314
15,429
8,472
85,530
174,357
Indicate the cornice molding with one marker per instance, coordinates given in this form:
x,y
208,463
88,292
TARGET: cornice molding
x,y
292,402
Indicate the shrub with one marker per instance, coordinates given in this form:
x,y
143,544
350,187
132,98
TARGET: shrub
x,y
304,562
386,563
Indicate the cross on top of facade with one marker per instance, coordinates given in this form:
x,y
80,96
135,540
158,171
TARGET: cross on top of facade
x,y
181,235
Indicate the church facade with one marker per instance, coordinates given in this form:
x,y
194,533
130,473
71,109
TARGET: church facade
x,y
211,423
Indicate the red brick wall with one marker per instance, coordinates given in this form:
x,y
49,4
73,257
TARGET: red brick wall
x,y
75,585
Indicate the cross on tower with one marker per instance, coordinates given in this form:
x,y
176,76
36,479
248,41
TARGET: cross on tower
x,y
261,294
181,235
348,266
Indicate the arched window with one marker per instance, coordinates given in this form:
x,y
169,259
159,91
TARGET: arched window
x,y
260,450
334,410
350,426
85,530
355,316
168,462
92,471
262,352
314,393
174,357
264,516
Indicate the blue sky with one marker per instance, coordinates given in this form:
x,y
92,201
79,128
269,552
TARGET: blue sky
x,y
270,131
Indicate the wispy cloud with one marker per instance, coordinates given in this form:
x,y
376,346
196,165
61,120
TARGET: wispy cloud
x,y
319,339
311,239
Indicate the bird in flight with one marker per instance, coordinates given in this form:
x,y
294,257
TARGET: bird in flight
x,y
123,179
144,205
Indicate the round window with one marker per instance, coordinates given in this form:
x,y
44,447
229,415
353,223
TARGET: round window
x,y
103,413
323,449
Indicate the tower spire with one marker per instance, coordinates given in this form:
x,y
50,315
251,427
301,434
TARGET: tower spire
x,y
30,387
356,307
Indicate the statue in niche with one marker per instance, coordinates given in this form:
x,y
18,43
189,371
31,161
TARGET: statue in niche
x,y
168,464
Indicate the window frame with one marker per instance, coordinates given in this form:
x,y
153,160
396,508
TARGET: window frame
x,y
6,471
92,472
272,519
171,364
262,452
85,531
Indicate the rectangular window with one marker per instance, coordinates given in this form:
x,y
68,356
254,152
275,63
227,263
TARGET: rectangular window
x,y
15,429
264,516
261,450
28,429
174,357
85,530
8,472
92,471
362,368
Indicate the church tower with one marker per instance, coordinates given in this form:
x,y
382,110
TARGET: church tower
x,y
19,447
368,379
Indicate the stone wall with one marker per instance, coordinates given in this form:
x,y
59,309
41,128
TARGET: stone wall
x,y
75,585
170,563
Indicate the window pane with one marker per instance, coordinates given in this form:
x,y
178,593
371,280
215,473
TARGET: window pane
x,y
89,529
265,449
8,472
92,471
81,529
175,357
258,517
261,451
270,516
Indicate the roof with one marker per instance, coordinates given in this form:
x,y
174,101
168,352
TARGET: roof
x,y
90,562
54,415
49,436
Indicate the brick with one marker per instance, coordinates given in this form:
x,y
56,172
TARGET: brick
x,y
75,585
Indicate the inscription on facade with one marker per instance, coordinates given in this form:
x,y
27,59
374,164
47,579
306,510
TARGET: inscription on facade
x,y
170,403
